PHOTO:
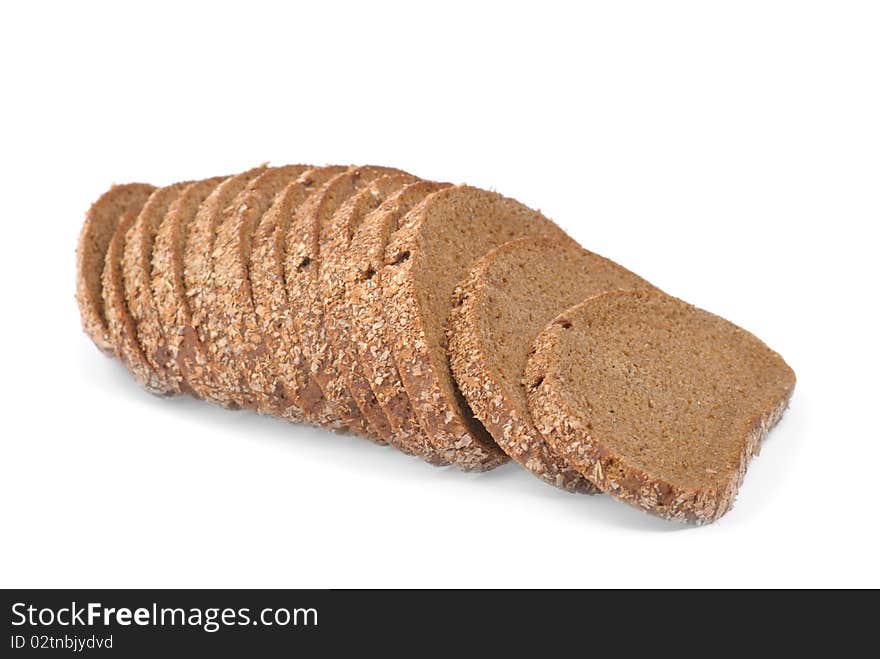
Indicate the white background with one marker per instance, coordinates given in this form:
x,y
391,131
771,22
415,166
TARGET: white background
x,y
728,152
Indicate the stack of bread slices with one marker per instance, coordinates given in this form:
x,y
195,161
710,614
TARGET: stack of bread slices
x,y
450,322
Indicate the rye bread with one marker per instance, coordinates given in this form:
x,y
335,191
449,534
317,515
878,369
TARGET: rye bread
x,y
169,292
94,238
302,262
366,359
137,256
192,357
279,377
507,298
334,325
231,317
424,263
658,403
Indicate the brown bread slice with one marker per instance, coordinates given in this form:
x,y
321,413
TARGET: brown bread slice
x,y
94,238
334,326
507,298
657,402
425,261
169,292
365,355
301,278
230,316
279,377
120,324
151,372
193,361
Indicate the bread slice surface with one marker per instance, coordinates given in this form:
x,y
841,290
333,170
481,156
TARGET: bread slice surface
x,y
505,301
424,263
94,239
658,403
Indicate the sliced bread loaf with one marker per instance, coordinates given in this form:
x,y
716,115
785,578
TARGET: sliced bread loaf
x,y
425,261
137,257
193,360
94,238
507,298
658,403
279,376
302,262
169,292
334,324
365,356
231,317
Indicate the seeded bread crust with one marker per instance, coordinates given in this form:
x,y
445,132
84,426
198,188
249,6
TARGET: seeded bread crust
x,y
452,229
507,298
301,278
94,238
575,429
336,326
279,376
120,324
136,275
231,317
169,292
366,358
193,356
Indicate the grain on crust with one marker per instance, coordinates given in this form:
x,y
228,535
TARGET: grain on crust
x,y
279,376
335,326
169,292
137,256
192,358
231,317
366,356
94,238
301,279
658,403
424,263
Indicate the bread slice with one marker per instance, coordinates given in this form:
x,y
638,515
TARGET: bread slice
x,y
120,324
507,298
151,372
231,316
333,325
279,377
302,262
94,238
166,278
365,356
658,403
193,361
425,261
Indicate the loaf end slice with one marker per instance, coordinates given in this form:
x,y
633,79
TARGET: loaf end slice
x,y
94,238
658,403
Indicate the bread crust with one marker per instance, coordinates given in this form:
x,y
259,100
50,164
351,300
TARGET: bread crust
x,y
571,433
151,371
231,317
120,324
428,381
169,291
193,353
279,376
366,357
94,238
483,299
